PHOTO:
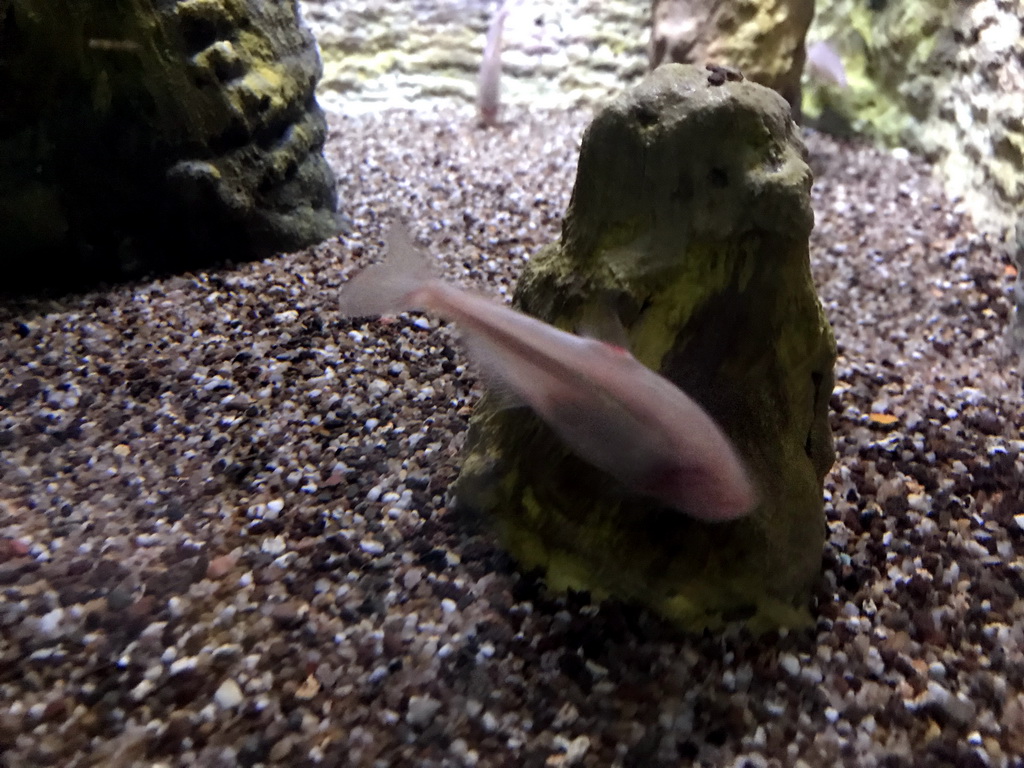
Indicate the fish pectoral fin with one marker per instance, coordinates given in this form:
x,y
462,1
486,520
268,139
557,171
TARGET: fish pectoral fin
x,y
501,395
600,321
501,398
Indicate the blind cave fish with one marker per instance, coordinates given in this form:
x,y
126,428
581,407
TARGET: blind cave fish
x,y
823,62
488,82
609,409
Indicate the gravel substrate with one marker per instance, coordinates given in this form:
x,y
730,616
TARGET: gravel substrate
x,y
224,537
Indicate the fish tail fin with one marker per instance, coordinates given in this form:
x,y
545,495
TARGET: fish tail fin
x,y
391,285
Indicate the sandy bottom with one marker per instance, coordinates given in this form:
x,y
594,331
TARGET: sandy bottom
x,y
224,539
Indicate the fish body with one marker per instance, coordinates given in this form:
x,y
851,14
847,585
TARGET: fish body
x,y
609,408
824,63
488,98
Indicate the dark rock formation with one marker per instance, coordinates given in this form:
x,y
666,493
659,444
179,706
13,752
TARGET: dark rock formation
x,y
690,216
763,38
139,136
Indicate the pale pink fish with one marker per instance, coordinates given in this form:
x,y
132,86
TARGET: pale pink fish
x,y
824,63
609,408
488,97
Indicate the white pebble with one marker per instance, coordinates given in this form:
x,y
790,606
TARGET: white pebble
x,y
874,663
176,607
488,722
185,664
378,388
448,605
422,710
143,689
577,749
812,675
790,663
285,561
274,546
49,623
228,695
371,547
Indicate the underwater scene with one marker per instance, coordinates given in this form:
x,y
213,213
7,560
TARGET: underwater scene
x,y
511,383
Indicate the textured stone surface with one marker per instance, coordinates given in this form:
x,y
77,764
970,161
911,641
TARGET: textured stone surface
x,y
763,38
137,138
942,79
690,217
427,52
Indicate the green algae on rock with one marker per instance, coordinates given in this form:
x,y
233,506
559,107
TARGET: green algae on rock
x,y
689,220
140,137
942,79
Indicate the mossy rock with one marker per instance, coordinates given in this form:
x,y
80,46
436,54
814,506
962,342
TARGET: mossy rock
x,y
140,137
690,220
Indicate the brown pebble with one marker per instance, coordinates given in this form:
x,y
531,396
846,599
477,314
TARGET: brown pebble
x,y
55,710
10,548
79,566
221,566
290,613
281,750
141,608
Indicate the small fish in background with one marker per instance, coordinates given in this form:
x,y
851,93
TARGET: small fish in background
x,y
104,44
610,409
823,63
488,83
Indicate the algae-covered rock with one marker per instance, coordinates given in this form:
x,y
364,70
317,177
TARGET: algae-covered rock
x,y
139,136
943,79
689,219
764,38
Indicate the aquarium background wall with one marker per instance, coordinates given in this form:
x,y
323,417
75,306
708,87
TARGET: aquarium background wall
x,y
942,79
